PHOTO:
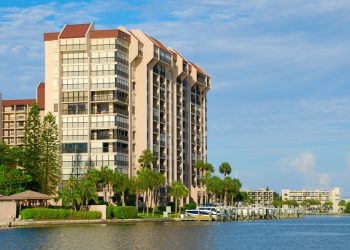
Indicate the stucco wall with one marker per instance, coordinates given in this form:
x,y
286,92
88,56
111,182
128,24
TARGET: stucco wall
x,y
7,210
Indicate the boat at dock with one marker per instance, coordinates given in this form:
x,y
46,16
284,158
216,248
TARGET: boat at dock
x,y
202,213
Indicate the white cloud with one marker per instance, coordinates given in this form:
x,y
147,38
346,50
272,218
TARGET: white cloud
x,y
304,166
323,179
304,163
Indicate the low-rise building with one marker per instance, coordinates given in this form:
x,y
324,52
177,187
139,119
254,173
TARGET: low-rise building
x,y
14,114
319,195
263,197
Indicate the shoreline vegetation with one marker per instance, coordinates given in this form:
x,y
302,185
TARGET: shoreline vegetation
x,y
47,223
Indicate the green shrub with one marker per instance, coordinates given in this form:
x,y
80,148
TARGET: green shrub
x,y
172,204
109,212
161,209
127,212
58,214
347,208
190,206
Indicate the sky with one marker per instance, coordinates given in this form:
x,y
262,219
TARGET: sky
x,y
279,107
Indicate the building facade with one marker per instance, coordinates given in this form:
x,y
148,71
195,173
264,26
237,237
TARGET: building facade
x,y
118,92
262,197
14,114
319,195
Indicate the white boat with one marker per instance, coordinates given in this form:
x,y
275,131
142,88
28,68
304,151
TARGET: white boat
x,y
202,212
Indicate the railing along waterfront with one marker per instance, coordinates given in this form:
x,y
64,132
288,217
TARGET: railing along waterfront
x,y
229,213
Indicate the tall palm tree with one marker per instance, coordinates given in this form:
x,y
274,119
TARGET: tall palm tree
x,y
121,184
201,166
146,159
225,168
106,178
136,188
87,191
157,180
178,190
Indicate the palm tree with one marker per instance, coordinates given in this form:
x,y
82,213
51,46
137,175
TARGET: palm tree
x,y
121,184
227,185
144,176
87,191
201,166
94,175
157,180
342,205
70,194
106,178
225,168
178,190
146,159
136,188
214,185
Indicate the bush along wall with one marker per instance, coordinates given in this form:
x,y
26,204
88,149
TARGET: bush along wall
x,y
127,212
58,214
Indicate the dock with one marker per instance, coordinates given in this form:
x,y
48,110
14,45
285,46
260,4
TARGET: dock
x,y
246,214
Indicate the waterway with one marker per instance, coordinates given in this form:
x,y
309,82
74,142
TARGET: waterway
x,y
312,232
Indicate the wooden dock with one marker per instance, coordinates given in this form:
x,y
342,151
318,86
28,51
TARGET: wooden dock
x,y
248,214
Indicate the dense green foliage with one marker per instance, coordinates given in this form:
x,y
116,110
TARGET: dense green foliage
x,y
58,214
125,212
146,159
49,165
191,205
109,212
347,208
178,190
225,168
41,151
13,180
121,184
78,193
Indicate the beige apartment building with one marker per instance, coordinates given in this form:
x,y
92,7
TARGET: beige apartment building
x,y
319,195
262,197
118,92
14,114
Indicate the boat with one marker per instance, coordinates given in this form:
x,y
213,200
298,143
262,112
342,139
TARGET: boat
x,y
202,213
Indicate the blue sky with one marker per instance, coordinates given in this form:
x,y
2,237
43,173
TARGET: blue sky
x,y
279,109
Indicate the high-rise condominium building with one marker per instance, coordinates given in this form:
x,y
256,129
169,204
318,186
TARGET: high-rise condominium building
x,y
118,92
14,114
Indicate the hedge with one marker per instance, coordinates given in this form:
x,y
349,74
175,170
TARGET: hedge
x,y
126,212
109,212
58,214
190,206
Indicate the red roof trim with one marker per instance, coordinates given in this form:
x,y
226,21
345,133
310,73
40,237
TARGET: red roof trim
x,y
51,36
183,58
198,69
103,33
40,95
74,30
158,44
110,34
18,102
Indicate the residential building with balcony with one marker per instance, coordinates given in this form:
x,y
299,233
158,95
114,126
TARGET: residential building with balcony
x,y
320,195
118,92
14,114
262,197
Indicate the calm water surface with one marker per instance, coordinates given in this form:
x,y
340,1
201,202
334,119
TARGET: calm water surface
x,y
308,233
